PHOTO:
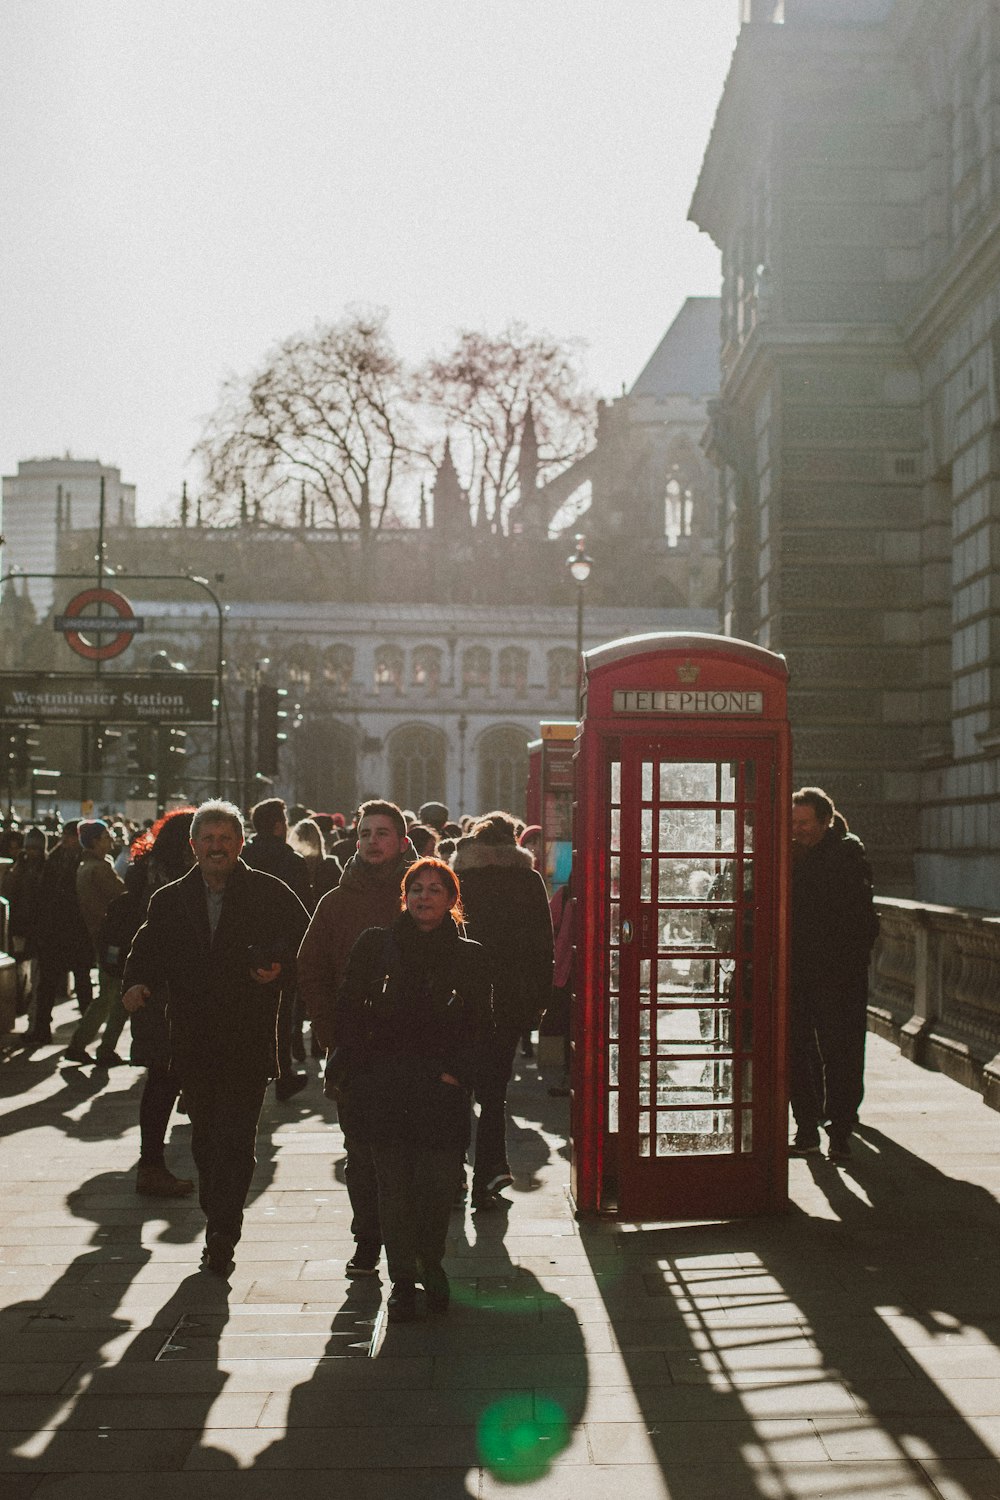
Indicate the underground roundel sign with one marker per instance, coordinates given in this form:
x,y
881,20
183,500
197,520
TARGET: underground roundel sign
x,y
98,637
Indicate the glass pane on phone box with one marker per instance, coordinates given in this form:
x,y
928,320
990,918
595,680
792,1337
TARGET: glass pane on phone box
x,y
686,927
616,781
645,968
612,1066
749,781
616,929
647,781
696,878
746,1082
690,977
613,1017
644,1077
646,880
614,967
697,781
646,831
643,1024
613,1112
644,1121
695,1030
695,1133
696,828
644,1145
616,828
746,1131
694,1081
615,876
748,830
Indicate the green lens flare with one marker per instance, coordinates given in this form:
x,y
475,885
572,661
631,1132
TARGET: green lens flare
x,y
520,1449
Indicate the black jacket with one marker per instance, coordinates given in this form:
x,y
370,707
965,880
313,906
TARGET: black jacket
x,y
412,1006
834,923
507,910
275,857
220,1018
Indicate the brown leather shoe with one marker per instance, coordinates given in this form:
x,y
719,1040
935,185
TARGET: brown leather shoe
x,y
160,1182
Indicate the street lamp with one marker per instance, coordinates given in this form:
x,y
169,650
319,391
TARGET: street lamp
x,y
579,565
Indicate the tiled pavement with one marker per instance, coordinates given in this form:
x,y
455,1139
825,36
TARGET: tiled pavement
x,y
849,1348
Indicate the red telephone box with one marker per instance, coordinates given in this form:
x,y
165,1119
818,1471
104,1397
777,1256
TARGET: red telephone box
x,y
681,858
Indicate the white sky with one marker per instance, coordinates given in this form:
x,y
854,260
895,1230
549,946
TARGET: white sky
x,y
183,182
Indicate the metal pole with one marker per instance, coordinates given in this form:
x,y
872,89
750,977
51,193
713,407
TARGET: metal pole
x,y
579,623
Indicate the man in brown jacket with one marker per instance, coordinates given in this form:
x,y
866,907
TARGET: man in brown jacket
x,y
368,896
96,887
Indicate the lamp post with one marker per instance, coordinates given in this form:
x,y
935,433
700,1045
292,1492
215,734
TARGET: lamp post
x,y
579,565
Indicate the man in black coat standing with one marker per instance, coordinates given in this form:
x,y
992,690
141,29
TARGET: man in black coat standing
x,y
834,926
223,940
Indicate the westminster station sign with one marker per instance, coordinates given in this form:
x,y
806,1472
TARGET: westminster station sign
x,y
113,698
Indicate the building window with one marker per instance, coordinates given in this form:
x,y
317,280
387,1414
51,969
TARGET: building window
x,y
300,665
679,510
503,770
512,669
416,766
425,668
475,668
390,665
338,668
562,671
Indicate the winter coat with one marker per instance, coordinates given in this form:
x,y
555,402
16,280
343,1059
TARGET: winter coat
x,y
220,1019
276,857
64,941
96,887
22,887
507,911
834,922
412,1006
367,896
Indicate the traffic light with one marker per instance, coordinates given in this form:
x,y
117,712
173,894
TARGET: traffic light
x,y
16,746
272,718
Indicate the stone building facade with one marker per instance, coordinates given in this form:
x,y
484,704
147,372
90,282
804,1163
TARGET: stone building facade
x,y
852,184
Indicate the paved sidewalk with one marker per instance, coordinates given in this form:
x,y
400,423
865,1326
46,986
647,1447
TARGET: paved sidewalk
x,y
850,1348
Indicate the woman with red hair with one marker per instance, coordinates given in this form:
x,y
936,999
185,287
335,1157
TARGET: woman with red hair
x,y
411,1021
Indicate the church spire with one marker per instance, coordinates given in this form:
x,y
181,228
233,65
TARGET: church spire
x,y
451,503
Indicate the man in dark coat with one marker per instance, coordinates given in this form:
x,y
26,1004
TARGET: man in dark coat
x,y
834,926
223,940
270,851
368,896
507,911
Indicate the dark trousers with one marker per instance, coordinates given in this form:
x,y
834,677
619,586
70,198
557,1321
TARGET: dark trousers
x,y
416,1185
491,1096
362,1189
52,969
158,1098
224,1114
827,1053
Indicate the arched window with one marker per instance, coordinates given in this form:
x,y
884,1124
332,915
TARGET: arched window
x,y
562,670
390,665
503,769
299,662
416,765
338,667
512,668
425,668
678,512
475,668
326,765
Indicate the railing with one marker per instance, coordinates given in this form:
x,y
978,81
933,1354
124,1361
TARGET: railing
x,y
935,991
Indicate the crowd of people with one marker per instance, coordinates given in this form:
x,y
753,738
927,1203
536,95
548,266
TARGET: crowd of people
x,y
418,951
421,954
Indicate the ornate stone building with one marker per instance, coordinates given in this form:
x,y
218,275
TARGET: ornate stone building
x,y
430,683
852,184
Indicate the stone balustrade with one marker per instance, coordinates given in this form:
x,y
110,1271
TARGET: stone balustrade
x,y
935,990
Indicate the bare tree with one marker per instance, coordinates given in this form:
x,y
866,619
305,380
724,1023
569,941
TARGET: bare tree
x,y
482,391
325,423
